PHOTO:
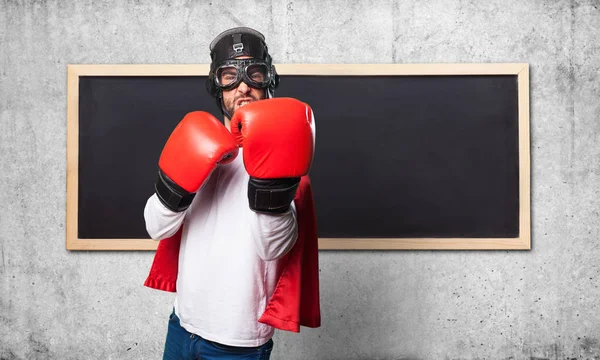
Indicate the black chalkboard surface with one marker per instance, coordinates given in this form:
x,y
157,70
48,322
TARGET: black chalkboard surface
x,y
402,161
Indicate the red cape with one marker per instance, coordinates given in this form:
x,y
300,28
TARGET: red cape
x,y
295,301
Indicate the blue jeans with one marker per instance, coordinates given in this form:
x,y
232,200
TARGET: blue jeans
x,y
181,344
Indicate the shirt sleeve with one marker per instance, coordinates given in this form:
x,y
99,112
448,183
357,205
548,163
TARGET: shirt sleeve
x,y
274,234
161,222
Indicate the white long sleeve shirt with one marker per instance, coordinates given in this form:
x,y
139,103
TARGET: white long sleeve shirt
x,y
228,258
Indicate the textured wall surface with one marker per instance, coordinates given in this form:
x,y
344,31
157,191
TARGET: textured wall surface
x,y
540,304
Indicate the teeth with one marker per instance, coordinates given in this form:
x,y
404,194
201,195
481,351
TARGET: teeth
x,y
242,103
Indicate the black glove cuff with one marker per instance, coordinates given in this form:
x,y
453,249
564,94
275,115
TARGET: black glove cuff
x,y
173,196
272,195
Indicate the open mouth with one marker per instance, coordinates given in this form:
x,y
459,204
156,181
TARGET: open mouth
x,y
244,101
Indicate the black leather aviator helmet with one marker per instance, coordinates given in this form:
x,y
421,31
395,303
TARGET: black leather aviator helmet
x,y
227,70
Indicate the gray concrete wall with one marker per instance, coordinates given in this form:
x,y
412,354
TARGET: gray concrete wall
x,y
541,304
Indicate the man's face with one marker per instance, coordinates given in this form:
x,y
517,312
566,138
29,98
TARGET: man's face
x,y
241,95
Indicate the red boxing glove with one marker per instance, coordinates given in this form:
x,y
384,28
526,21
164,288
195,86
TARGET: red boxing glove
x,y
278,138
196,147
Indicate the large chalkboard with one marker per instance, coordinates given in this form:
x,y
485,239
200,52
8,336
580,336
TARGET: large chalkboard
x,y
407,156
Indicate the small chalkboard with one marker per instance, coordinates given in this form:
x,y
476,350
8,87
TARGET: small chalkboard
x,y
408,156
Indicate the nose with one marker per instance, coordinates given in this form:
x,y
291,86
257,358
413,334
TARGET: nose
x,y
243,87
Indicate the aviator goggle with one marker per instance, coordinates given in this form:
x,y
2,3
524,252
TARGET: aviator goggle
x,y
253,72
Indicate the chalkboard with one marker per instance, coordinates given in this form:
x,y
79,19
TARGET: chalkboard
x,y
407,156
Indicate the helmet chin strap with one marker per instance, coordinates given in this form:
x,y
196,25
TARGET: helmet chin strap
x,y
225,112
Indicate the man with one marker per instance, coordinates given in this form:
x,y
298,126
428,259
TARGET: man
x,y
226,209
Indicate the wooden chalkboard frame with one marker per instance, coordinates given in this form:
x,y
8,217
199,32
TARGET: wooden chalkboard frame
x,y
523,242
